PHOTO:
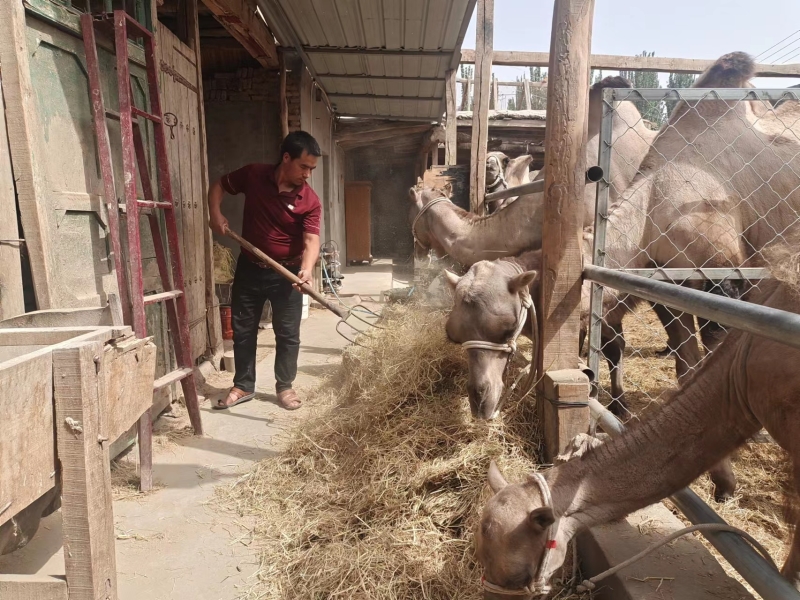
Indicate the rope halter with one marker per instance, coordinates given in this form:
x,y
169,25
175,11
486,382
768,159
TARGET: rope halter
x,y
540,586
422,211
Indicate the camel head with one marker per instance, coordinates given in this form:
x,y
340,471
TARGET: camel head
x,y
496,163
488,306
511,538
419,197
596,101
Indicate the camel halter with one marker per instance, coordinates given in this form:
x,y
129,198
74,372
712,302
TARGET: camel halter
x,y
540,586
422,211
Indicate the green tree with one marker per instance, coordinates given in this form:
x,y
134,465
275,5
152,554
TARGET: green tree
x,y
677,81
651,111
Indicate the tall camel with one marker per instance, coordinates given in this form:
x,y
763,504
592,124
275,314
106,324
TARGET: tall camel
x,y
748,382
682,211
503,172
466,238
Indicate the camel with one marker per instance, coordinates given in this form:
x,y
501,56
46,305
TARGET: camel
x,y
502,173
467,238
686,212
748,382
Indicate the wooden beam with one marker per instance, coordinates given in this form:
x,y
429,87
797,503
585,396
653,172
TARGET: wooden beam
x,y
385,97
391,117
565,167
612,62
451,127
213,322
243,23
376,51
284,104
361,139
82,442
12,302
526,91
480,118
33,587
365,76
24,129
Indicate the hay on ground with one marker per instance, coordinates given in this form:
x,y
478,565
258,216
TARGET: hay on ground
x,y
376,495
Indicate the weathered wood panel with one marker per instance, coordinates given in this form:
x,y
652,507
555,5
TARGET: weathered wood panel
x,y
178,82
27,452
11,298
88,520
33,587
129,374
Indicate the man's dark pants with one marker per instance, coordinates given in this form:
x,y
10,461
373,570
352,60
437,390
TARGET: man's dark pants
x,y
252,287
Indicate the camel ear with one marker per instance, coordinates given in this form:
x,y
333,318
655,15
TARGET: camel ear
x,y
448,189
452,279
522,281
496,480
413,196
419,181
541,518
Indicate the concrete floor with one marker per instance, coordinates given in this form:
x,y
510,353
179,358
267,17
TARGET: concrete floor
x,y
174,543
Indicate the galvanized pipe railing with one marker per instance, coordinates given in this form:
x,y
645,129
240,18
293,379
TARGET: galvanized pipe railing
x,y
593,175
771,323
753,568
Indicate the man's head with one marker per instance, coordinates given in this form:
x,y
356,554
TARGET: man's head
x,y
299,153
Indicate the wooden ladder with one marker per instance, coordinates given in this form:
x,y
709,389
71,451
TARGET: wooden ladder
x,y
123,27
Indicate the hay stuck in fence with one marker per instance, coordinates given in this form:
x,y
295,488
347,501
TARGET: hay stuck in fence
x,y
376,495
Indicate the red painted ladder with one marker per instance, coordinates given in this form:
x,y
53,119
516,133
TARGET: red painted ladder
x,y
134,160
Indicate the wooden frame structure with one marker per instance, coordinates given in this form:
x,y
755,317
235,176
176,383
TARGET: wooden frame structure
x,y
100,384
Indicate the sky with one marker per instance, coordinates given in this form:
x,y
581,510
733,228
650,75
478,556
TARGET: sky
x,y
703,29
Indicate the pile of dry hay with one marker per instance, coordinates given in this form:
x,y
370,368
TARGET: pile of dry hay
x,y
377,494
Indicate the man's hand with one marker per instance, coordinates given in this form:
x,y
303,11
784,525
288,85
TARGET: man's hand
x,y
218,223
305,277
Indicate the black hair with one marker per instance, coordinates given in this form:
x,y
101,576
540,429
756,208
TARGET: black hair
x,y
296,142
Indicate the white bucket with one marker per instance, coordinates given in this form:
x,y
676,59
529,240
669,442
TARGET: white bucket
x,y
305,306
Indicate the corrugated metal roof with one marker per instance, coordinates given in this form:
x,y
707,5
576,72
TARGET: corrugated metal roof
x,y
398,49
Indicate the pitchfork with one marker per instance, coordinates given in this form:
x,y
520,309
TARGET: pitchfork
x,y
344,314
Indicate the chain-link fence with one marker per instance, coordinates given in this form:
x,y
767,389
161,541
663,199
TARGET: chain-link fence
x,y
718,188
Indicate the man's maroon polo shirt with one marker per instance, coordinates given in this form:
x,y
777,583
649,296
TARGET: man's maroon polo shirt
x,y
273,221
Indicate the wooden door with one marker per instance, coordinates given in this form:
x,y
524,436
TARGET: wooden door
x,y
357,221
179,102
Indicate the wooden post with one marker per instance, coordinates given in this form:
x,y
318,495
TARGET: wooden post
x,y
11,298
213,323
480,111
526,89
467,91
82,442
451,124
565,167
24,129
495,94
284,105
33,587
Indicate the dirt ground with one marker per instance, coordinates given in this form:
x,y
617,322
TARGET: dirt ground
x,y
174,543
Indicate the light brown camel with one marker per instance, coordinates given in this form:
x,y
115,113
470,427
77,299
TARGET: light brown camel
x,y
674,215
466,238
502,173
748,382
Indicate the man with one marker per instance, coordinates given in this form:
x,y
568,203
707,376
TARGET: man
x,y
281,217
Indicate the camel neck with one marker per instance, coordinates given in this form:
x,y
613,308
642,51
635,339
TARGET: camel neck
x,y
660,455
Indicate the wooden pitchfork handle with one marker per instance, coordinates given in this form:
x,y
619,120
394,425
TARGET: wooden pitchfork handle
x,y
287,274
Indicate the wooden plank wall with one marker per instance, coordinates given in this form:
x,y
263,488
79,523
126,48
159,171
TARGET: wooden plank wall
x,y
179,94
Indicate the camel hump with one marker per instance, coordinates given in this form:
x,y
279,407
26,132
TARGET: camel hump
x,y
612,81
732,70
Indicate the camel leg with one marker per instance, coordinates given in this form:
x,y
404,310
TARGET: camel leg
x,y
724,480
681,333
613,344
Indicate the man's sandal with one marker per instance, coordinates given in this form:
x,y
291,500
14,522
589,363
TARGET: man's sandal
x,y
289,399
235,396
